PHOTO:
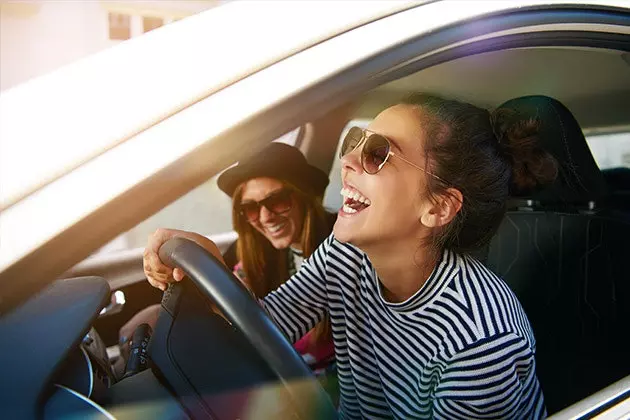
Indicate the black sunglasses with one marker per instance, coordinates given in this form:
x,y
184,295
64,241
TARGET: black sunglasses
x,y
375,152
278,202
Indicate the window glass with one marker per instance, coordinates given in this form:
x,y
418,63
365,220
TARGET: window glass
x,y
610,150
206,210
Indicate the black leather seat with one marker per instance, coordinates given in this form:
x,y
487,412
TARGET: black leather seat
x,y
618,181
566,261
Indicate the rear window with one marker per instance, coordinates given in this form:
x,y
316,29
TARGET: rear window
x,y
610,150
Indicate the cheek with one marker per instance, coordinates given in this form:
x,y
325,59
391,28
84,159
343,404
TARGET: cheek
x,y
400,200
257,226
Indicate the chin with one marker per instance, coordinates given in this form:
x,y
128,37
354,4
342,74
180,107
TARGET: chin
x,y
342,233
280,243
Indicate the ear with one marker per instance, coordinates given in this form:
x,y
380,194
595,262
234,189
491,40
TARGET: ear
x,y
443,209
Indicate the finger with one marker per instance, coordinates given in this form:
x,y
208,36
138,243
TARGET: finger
x,y
152,263
178,274
160,278
157,284
158,238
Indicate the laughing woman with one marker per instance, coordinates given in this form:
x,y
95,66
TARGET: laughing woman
x,y
421,329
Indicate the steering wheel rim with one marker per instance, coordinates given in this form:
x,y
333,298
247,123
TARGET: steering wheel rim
x,y
215,281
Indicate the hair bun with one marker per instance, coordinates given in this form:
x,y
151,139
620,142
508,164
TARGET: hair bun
x,y
532,167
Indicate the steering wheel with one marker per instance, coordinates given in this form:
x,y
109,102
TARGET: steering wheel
x,y
219,285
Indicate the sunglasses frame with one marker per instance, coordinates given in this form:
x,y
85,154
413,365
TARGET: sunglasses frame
x,y
365,136
260,204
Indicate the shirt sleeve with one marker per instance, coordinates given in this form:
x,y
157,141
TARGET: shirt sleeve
x,y
301,302
494,378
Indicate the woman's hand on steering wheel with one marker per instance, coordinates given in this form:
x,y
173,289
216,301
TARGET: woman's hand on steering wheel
x,y
159,274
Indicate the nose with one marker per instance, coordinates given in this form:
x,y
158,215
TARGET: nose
x,y
265,214
352,161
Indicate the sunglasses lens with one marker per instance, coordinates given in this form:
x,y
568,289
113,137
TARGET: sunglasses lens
x,y
251,211
279,203
375,153
351,141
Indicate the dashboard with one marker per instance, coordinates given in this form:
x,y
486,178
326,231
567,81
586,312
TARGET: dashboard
x,y
57,365
87,370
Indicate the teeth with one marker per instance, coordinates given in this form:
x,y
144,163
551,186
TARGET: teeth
x,y
348,209
275,228
355,195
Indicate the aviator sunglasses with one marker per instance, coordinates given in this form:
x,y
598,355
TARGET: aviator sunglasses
x,y
375,152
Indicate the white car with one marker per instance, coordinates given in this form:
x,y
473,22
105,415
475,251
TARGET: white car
x,y
93,149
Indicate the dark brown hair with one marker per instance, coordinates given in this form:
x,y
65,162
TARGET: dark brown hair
x,y
486,156
266,267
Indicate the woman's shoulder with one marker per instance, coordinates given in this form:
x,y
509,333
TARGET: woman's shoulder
x,y
494,294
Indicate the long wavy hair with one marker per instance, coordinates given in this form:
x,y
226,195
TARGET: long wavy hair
x,y
266,267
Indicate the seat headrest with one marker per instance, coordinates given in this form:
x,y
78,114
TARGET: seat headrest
x,y
579,178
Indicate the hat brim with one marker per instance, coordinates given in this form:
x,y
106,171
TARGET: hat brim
x,y
307,178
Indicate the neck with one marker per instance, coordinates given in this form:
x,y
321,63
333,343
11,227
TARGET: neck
x,y
402,268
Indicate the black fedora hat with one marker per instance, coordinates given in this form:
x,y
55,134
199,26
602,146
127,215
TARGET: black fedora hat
x,y
280,161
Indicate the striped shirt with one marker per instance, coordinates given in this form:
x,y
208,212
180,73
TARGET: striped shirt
x,y
459,348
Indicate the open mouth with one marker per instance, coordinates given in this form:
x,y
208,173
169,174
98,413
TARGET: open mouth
x,y
275,229
354,201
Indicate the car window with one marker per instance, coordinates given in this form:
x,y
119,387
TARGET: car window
x,y
206,210
610,150
332,196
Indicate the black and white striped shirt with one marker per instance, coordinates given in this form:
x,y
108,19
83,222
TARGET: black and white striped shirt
x,y
461,347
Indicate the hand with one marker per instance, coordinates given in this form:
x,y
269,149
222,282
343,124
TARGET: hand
x,y
159,274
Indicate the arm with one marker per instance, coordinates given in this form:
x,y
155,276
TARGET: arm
x,y
494,378
300,303
296,307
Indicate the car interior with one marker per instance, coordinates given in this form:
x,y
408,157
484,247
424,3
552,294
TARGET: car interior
x,y
561,250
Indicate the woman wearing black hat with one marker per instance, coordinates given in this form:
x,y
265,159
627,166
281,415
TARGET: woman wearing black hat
x,y
278,214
